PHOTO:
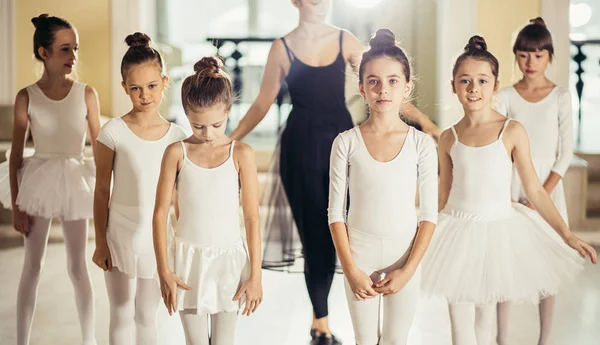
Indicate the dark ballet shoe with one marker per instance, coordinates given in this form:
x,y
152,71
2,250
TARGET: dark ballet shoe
x,y
323,340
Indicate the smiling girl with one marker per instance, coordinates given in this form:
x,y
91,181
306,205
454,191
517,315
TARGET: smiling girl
x,y
57,181
487,250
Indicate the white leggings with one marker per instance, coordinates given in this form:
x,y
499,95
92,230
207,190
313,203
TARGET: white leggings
x,y
133,303
195,326
546,311
373,255
472,324
75,236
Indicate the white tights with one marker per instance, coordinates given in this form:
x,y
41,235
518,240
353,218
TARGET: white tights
x,y
374,254
546,311
133,302
75,236
222,328
472,324
398,314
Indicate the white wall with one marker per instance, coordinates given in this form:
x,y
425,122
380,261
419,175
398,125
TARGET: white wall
x,y
127,17
452,36
7,52
413,23
556,16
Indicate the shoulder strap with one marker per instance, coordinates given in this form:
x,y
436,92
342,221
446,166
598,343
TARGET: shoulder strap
x,y
231,149
454,133
341,39
290,54
503,128
184,150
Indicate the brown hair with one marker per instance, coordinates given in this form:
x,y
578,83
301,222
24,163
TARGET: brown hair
x,y
383,43
534,37
208,86
477,49
46,27
139,52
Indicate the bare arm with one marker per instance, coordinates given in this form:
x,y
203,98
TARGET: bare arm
x,y
397,279
269,88
171,163
93,115
19,136
249,192
446,141
104,157
21,221
169,282
551,182
415,115
352,49
535,192
339,234
421,242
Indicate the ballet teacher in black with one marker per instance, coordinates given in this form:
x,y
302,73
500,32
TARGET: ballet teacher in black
x,y
312,59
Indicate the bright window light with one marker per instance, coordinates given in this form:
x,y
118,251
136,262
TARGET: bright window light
x,y
580,14
364,3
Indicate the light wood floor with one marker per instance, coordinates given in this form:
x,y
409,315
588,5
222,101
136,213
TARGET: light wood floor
x,y
284,317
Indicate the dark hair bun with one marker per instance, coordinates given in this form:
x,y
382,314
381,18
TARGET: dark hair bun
x,y
138,39
476,43
382,38
39,20
209,66
537,21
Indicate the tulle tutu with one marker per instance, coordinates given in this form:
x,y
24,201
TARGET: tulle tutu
x,y
214,274
518,258
52,187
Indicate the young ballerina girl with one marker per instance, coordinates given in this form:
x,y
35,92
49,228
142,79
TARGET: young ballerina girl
x,y
487,250
544,109
209,259
131,149
57,181
312,60
381,241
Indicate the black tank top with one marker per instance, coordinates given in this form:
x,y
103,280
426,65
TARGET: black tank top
x,y
319,90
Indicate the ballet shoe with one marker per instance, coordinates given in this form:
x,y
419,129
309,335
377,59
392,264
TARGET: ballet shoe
x,y
323,340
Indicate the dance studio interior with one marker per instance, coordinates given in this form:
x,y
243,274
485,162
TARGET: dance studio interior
x,y
432,32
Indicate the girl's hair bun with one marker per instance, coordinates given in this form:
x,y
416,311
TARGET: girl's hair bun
x,y
383,38
209,66
138,39
538,21
476,43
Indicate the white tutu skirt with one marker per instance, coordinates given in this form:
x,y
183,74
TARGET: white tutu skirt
x,y
518,259
129,239
214,275
52,187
